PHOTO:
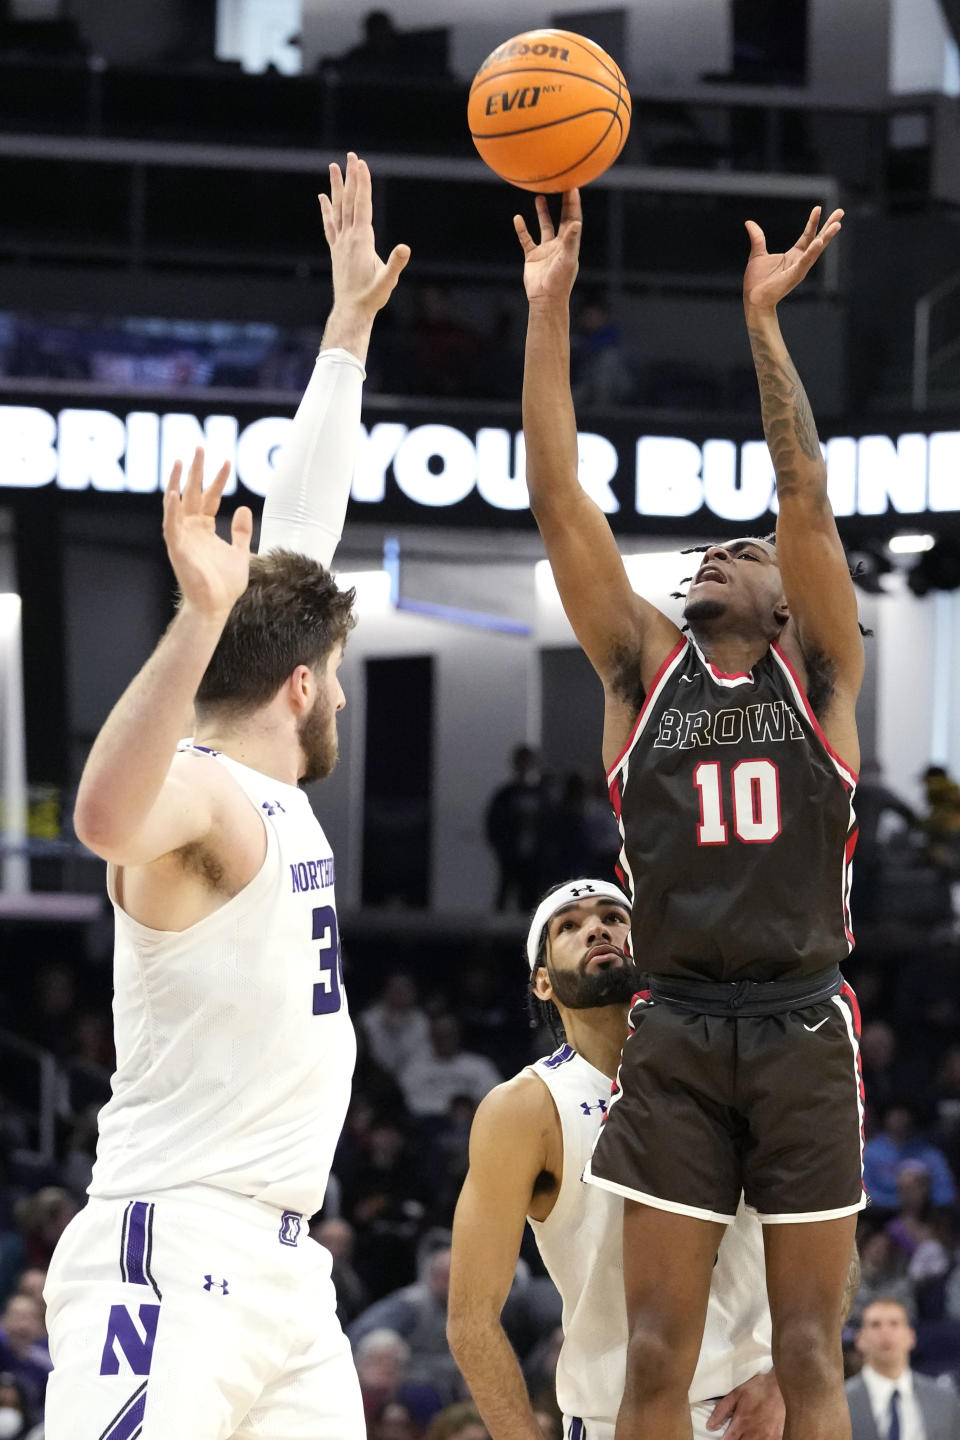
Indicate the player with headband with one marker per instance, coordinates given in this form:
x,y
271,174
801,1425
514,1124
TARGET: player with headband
x,y
531,1139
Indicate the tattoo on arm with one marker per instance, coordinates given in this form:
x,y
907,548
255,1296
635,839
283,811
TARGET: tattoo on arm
x,y
851,1287
788,422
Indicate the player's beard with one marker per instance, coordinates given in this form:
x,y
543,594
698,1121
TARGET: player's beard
x,y
591,989
319,743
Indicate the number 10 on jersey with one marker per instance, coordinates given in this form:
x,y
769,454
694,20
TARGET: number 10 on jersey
x,y
755,797
326,992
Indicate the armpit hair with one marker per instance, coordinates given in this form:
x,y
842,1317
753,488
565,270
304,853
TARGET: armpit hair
x,y
821,679
200,861
627,682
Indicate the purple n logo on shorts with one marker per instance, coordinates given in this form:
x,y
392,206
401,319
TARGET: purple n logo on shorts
x,y
289,1227
137,1349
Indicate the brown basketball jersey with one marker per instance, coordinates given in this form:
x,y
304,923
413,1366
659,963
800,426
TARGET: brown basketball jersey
x,y
737,824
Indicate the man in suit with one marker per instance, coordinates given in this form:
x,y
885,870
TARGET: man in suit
x,y
887,1400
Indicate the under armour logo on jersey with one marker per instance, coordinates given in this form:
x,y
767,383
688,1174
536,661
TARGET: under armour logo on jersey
x,y
588,1109
577,891
211,1284
272,806
289,1227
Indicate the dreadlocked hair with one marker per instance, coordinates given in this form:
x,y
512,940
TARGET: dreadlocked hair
x,y
770,539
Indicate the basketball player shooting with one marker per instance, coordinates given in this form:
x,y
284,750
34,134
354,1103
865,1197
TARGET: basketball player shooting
x,y
187,1299
732,753
530,1140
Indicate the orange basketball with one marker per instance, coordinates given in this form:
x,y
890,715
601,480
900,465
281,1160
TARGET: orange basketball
x,y
549,110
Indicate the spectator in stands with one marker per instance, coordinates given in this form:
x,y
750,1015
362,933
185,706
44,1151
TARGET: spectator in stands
x,y
887,1073
942,820
433,1080
379,55
887,1396
338,1237
42,1218
458,1422
448,1158
513,825
15,1413
418,1313
564,850
947,1103
81,1151
874,801
882,1274
491,1021
885,1153
395,1026
31,1284
914,1233
383,1366
23,1349
383,1195
393,1421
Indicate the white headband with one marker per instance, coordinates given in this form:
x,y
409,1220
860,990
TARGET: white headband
x,y
568,894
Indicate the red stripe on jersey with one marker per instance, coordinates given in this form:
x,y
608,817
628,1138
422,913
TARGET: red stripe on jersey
x,y
677,649
813,719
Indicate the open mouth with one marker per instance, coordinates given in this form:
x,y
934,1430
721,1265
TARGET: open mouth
x,y
710,572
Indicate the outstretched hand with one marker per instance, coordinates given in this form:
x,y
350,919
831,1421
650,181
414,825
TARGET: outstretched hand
x,y
768,278
550,268
212,573
361,280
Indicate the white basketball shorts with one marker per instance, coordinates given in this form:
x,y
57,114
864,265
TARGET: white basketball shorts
x,y
195,1314
603,1429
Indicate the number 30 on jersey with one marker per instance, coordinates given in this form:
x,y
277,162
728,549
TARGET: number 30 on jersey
x,y
327,990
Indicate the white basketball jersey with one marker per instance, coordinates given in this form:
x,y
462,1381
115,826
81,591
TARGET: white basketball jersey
x,y
581,1243
235,1049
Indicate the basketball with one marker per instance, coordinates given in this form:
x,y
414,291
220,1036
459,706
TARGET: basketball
x,y
549,110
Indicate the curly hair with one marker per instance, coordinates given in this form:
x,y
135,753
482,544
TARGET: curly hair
x,y
290,614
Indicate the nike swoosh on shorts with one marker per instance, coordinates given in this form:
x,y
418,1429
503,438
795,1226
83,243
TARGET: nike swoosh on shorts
x,y
811,1028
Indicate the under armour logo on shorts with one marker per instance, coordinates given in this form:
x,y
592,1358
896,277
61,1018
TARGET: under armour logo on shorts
x,y
211,1284
289,1227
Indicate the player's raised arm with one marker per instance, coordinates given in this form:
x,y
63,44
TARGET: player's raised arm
x,y
816,578
307,499
609,619
507,1154
130,809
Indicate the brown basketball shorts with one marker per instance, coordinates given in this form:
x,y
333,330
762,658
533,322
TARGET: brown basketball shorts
x,y
707,1106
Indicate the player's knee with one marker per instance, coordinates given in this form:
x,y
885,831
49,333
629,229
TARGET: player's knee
x,y
654,1364
806,1353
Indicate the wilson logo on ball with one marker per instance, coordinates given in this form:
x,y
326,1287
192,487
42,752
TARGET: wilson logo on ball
x,y
538,133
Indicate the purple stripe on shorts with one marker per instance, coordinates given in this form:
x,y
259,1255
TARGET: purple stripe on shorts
x,y
137,1243
129,1423
129,1418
